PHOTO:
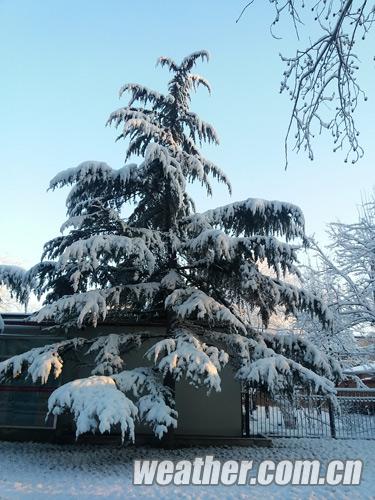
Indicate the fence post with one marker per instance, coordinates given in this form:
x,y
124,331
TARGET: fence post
x,y
247,412
332,422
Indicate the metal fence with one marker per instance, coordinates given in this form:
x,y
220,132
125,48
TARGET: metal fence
x,y
353,417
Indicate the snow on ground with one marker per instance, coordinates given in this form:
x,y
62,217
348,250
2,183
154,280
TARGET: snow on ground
x,y
34,471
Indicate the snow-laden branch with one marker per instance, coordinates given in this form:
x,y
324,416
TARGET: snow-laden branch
x,y
268,293
88,254
40,362
143,94
281,367
303,351
89,172
194,303
16,281
345,271
198,128
109,349
253,217
154,400
197,80
278,374
95,403
217,245
75,309
185,355
189,61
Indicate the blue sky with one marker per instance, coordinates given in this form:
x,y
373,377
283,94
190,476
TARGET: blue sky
x,y
62,63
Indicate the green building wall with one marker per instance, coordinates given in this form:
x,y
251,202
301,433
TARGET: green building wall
x,y
23,405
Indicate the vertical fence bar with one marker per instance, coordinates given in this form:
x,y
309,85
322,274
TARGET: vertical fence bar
x,y
332,422
247,412
309,415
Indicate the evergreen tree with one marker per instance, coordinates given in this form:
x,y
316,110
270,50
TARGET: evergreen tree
x,y
197,272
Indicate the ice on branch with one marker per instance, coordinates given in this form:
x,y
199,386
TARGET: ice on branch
x,y
186,355
191,302
95,403
154,400
40,362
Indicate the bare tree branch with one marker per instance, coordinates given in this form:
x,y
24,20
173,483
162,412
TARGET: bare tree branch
x,y
321,79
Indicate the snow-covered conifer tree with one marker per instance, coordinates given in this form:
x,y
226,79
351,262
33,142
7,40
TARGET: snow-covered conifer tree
x,y
137,249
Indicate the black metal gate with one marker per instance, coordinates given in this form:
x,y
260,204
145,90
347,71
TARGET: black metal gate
x,y
353,417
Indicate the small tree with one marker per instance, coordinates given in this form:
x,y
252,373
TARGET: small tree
x,y
198,272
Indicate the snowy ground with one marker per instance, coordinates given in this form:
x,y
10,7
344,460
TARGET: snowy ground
x,y
41,470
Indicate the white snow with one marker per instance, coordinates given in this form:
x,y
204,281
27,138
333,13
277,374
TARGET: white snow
x,y
109,349
187,355
92,304
197,80
153,405
254,215
278,372
142,93
96,403
39,362
91,171
366,368
41,471
87,252
216,244
187,302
